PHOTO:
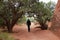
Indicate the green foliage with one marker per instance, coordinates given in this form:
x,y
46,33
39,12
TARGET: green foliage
x,y
10,12
22,20
1,22
5,36
43,12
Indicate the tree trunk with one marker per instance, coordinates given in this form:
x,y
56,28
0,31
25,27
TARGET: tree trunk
x,y
10,26
44,26
9,29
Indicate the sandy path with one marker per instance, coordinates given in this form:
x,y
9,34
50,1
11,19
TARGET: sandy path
x,y
35,34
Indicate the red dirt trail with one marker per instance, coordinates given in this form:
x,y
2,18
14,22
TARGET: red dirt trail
x,y
35,34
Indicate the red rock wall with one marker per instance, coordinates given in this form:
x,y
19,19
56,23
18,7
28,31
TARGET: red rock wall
x,y
56,16
55,27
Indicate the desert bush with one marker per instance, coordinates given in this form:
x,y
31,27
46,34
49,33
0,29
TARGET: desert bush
x,y
5,36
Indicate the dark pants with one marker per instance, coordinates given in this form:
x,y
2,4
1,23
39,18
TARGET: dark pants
x,y
28,28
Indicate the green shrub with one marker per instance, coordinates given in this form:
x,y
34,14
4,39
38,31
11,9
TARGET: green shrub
x,y
1,22
5,36
22,20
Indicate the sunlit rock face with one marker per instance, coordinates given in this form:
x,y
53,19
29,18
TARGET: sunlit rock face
x,y
55,27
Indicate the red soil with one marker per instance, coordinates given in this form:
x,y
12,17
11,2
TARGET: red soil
x,y
35,34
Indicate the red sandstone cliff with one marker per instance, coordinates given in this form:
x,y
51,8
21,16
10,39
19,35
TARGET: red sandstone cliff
x,y
55,27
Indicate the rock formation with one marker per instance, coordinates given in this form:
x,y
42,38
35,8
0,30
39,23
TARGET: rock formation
x,y
55,27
